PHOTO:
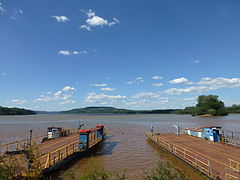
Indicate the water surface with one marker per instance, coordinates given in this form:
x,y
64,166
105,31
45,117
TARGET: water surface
x,y
126,146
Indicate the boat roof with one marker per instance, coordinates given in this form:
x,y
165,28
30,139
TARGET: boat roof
x,y
195,129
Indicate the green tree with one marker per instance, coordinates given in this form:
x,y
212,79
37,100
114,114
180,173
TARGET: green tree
x,y
210,104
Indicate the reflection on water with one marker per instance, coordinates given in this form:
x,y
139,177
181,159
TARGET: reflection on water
x,y
126,146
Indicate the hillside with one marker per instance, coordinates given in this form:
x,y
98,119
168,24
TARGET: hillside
x,y
98,110
112,110
15,111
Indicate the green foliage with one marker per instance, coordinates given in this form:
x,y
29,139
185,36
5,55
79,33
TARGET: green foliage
x,y
15,111
209,104
10,167
95,172
234,108
112,110
99,110
165,171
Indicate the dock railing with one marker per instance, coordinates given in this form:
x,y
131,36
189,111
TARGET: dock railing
x,y
52,158
192,158
21,144
231,174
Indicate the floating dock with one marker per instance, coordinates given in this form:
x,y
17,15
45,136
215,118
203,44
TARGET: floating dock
x,y
51,152
216,160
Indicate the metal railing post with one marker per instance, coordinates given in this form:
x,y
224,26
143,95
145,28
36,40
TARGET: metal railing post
x,y
49,160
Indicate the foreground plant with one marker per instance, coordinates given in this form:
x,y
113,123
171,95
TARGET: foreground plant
x,y
165,171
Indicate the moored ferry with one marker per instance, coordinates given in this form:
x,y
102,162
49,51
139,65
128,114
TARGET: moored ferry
x,y
90,137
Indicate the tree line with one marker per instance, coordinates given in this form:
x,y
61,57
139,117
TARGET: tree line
x,y
15,111
209,105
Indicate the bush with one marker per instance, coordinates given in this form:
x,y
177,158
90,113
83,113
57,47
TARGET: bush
x,y
165,171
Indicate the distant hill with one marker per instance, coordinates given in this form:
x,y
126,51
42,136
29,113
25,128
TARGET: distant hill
x,y
113,110
98,110
15,111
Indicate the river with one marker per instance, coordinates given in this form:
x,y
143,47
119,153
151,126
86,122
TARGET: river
x,y
126,147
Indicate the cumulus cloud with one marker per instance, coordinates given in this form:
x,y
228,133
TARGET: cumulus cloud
x,y
193,89
137,80
60,18
98,85
68,53
18,101
157,77
94,20
217,83
157,84
108,89
61,95
181,80
102,98
146,95
190,99
67,102
148,103
68,88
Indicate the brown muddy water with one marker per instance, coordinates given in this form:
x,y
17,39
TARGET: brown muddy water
x,y
125,148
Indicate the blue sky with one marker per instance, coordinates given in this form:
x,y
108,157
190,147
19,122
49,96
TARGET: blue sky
x,y
57,55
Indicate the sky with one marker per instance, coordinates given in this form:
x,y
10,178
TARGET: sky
x,y
138,54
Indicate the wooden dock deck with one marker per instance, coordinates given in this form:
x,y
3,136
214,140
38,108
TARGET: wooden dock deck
x,y
50,153
216,160
41,153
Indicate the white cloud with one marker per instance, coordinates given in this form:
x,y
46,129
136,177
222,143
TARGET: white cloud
x,y
137,80
67,102
2,10
98,85
85,27
94,20
157,84
103,98
60,18
181,80
196,61
129,82
157,77
148,104
146,95
115,21
21,11
68,53
90,13
193,89
4,74
190,99
44,99
49,92
18,101
65,53
68,88
108,89
217,83
61,95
